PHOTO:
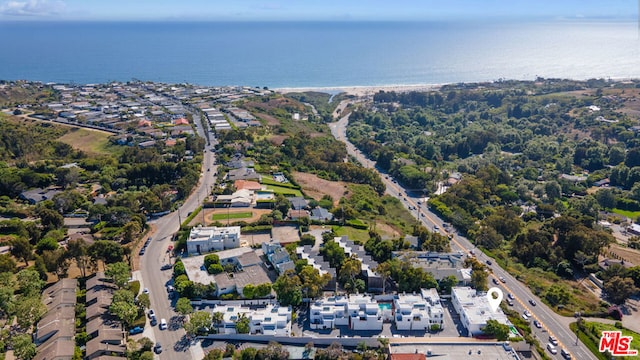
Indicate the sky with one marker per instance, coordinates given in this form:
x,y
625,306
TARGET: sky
x,y
303,10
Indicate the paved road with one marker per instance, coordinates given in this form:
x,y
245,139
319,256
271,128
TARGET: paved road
x,y
156,255
552,323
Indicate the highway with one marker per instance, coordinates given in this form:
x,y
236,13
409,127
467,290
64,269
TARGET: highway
x,y
155,279
552,323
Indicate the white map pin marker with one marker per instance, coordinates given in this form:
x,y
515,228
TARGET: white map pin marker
x,y
494,302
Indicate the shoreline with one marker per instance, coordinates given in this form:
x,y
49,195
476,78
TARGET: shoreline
x,y
364,90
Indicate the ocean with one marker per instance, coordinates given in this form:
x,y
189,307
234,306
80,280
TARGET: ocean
x,y
318,54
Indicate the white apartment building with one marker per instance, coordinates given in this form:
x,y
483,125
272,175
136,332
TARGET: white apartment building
x,y
474,309
206,239
271,320
358,312
418,311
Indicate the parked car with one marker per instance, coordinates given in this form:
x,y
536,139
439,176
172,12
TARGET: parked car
x,y
153,321
136,330
141,252
157,348
145,291
163,324
165,267
151,313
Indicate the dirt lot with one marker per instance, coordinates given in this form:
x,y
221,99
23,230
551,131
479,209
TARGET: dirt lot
x,y
316,188
627,254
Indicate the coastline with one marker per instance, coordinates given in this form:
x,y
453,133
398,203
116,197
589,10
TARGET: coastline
x,y
360,90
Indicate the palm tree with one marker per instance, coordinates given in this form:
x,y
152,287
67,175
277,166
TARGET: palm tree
x,y
217,319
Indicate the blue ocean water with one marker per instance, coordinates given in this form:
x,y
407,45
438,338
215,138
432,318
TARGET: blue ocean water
x,y
317,54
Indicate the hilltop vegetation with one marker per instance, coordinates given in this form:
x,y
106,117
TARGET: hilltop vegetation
x,y
520,157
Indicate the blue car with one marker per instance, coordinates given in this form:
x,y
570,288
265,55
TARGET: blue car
x,y
136,330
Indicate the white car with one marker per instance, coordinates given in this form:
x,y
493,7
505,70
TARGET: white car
x,y
552,348
163,324
151,313
145,291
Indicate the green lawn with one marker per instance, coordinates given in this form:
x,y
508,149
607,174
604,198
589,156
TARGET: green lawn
x,y
357,235
237,215
630,214
284,191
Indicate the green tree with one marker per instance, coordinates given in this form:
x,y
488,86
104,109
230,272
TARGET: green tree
x,y
557,295
124,311
215,269
7,264
23,347
288,289
56,261
447,283
183,306
349,271
124,295
29,310
619,289
242,325
216,354
197,321
479,275
143,301
77,249
119,272
312,282
29,283
249,291
263,290
21,249
494,328
211,259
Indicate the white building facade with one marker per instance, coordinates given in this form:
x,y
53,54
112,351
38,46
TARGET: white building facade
x,y
357,312
271,320
418,311
207,239
474,310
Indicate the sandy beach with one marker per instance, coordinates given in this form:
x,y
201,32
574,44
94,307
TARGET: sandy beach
x,y
361,90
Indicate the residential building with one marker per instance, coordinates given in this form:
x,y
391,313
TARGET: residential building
x,y
321,214
441,265
474,310
104,332
206,239
418,311
298,202
278,256
55,333
371,278
270,320
357,312
317,262
240,198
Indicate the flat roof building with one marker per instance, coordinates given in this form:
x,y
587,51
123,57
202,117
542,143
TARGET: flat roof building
x,y
357,312
270,320
206,239
474,310
418,311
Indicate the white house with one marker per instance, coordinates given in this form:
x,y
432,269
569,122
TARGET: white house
x,y
270,320
206,239
474,309
418,311
358,312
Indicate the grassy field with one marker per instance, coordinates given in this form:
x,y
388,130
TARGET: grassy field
x,y
357,235
284,191
591,337
90,141
633,215
237,215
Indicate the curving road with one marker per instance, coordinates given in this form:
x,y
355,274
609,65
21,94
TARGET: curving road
x,y
154,279
552,323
